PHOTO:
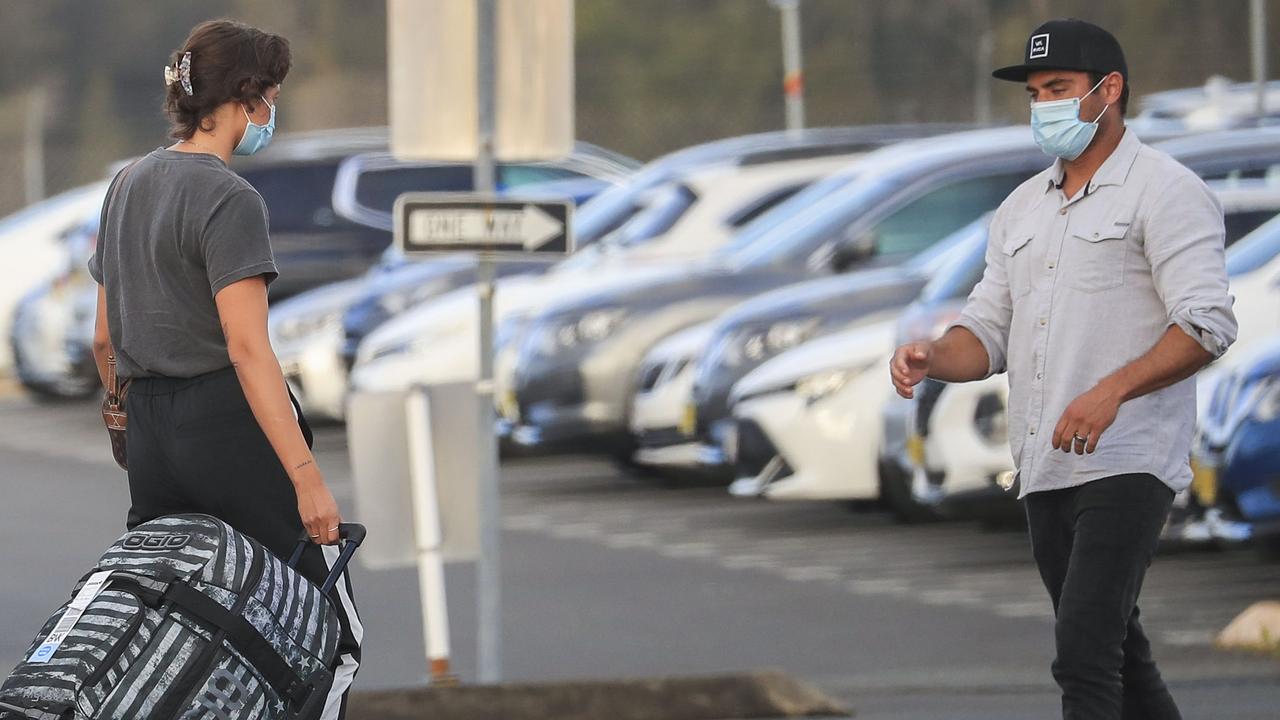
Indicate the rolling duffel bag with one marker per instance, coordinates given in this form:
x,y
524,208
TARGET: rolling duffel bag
x,y
184,618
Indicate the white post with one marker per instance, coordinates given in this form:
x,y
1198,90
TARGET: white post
x,y
489,569
792,63
427,531
1258,33
33,146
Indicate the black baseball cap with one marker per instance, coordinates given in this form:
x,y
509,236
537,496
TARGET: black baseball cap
x,y
1068,45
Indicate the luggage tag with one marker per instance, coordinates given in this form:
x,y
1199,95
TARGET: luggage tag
x,y
75,611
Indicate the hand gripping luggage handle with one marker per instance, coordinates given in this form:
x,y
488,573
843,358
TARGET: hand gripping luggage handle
x,y
352,533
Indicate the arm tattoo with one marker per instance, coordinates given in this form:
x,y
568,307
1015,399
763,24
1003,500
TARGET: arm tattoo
x,y
301,465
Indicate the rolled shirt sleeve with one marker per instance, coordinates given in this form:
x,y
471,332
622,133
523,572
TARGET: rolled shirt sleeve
x,y
235,243
989,310
1184,243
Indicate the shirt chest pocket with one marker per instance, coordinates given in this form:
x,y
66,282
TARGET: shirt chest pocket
x,y
1017,262
1095,253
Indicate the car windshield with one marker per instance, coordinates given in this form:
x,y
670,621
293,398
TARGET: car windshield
x,y
607,211
660,216
1255,249
964,268
793,207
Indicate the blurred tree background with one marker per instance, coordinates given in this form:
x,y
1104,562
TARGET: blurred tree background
x,y
652,75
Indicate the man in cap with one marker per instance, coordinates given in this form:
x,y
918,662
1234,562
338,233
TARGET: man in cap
x,y
1105,291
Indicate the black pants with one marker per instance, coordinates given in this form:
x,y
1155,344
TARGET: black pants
x,y
195,447
1093,545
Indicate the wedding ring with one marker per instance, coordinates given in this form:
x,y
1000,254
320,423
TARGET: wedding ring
x,y
1079,439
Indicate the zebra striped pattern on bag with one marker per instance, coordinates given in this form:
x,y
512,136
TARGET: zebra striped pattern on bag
x,y
123,659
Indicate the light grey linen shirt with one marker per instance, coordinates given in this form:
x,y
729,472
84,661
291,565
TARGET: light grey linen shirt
x,y
1076,288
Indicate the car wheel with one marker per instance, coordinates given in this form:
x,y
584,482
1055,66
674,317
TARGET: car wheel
x,y
895,493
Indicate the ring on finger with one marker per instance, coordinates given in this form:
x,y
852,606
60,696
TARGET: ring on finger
x,y
1079,439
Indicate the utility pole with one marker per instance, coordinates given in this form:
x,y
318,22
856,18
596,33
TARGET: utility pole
x,y
1258,35
33,146
792,63
489,568
982,62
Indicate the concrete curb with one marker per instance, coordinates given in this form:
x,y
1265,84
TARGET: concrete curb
x,y
1256,629
765,694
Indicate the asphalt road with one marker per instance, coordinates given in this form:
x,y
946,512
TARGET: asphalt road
x,y
607,576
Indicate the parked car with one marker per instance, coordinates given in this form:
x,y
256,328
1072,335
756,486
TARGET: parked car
x,y
749,334
1219,103
957,445
776,438
1236,454
53,325
680,223
806,422
578,360
743,186
32,239
314,357
659,411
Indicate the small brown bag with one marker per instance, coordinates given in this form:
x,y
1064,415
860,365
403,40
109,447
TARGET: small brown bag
x,y
114,415
113,412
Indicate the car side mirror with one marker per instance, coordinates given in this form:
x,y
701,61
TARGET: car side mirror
x,y
853,250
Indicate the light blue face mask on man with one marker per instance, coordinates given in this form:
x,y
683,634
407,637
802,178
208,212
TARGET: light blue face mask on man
x,y
256,136
1058,129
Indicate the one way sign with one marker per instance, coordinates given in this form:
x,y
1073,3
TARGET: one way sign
x,y
434,223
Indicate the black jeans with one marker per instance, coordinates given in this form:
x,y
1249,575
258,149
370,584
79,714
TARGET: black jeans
x,y
1093,544
195,447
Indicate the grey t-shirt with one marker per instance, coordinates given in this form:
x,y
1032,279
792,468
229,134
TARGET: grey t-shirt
x,y
176,229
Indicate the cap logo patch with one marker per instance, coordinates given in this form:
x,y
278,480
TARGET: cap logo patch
x,y
1039,47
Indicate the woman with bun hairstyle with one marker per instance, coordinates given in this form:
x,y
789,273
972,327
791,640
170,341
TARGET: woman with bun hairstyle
x,y
183,263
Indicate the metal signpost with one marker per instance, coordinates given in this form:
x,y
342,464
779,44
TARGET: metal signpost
x,y
427,223
446,107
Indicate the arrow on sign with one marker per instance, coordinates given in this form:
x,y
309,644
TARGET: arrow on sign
x,y
529,226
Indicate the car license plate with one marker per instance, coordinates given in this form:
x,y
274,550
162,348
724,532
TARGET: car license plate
x,y
1204,483
729,443
688,420
510,407
915,450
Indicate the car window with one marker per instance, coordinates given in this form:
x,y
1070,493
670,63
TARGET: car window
x,y
299,197
660,216
923,221
762,205
378,189
1255,250
516,175
1239,224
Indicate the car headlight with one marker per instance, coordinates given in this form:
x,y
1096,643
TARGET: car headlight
x,y
593,327
757,345
1267,408
295,328
397,301
823,384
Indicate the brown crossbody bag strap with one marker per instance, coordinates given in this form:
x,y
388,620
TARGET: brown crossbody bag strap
x,y
113,411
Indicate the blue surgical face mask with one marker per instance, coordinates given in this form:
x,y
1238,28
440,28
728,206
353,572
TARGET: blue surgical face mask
x,y
1058,129
256,136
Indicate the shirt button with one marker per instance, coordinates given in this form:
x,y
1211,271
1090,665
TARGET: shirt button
x,y
1063,211
1050,266
1039,375
1042,322
1032,431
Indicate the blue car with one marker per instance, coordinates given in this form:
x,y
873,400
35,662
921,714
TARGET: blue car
x,y
1236,458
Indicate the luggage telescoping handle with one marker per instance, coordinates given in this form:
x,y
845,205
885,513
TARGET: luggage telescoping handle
x,y
352,535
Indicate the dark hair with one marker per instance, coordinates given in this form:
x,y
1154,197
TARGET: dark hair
x,y
1096,77
229,61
